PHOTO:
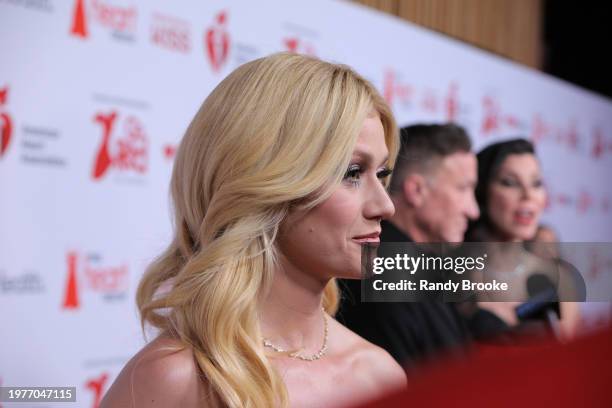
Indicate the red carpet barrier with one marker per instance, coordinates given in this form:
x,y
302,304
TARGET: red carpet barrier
x,y
532,375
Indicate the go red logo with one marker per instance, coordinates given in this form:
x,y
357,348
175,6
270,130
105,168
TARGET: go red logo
x,y
118,19
217,41
128,153
6,124
97,387
87,273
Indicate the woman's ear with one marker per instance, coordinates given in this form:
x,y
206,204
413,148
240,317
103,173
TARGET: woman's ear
x,y
414,189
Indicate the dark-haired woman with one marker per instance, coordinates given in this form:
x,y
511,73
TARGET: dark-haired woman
x,y
511,196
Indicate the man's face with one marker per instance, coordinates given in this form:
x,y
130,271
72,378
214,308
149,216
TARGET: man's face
x,y
448,201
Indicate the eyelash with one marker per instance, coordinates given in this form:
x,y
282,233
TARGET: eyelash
x,y
354,171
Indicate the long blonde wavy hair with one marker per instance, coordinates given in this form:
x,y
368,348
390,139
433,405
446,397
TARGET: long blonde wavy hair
x,y
276,135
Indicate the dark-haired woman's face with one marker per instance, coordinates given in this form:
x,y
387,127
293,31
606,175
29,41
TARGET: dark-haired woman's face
x,y
516,198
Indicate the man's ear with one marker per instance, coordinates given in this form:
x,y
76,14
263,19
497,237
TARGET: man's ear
x,y
414,189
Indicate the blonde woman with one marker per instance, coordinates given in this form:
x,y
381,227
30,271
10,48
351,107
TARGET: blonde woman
x,y
277,183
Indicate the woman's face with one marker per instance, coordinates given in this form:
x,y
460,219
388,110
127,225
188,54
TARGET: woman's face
x,y
326,241
516,198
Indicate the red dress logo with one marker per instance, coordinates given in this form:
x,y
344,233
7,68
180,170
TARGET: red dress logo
x,y
79,21
452,102
599,146
394,90
96,385
71,292
87,273
118,19
6,125
494,120
490,122
128,153
216,41
540,129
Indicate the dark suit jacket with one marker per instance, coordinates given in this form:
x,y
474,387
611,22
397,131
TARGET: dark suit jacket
x,y
410,331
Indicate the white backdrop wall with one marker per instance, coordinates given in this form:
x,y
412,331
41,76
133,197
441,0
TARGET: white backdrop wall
x,y
95,95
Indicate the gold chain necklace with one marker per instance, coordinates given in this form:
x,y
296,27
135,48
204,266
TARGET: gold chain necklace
x,y
296,353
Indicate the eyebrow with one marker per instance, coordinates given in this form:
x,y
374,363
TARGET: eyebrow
x,y
510,173
369,157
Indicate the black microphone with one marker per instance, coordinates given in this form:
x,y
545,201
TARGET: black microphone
x,y
543,302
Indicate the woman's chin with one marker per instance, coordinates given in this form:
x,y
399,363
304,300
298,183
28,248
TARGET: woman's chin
x,y
352,271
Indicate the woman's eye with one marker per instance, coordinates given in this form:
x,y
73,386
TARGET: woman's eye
x,y
508,182
538,183
383,174
353,174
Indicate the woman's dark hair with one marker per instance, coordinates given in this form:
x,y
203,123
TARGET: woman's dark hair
x,y
490,160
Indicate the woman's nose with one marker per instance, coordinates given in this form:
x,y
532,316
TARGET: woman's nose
x,y
379,203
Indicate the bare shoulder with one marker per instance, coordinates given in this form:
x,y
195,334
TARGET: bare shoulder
x,y
368,358
163,374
